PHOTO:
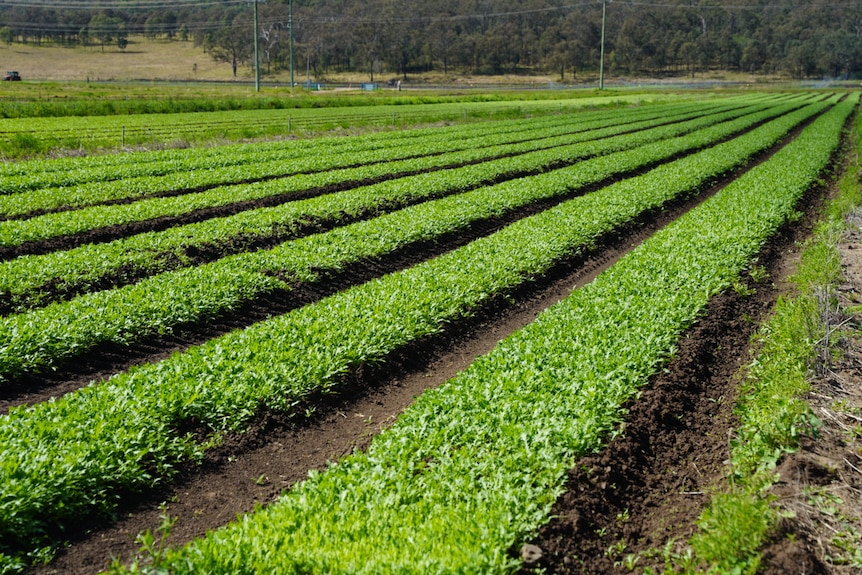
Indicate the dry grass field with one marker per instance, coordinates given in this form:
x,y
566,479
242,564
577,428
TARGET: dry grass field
x,y
177,61
141,60
174,61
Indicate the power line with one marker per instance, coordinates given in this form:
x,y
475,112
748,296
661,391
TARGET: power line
x,y
202,25
90,5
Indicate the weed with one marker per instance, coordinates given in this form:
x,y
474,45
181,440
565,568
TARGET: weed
x,y
742,289
23,145
616,549
152,553
758,273
821,499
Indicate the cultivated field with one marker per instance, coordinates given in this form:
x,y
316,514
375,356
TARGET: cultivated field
x,y
400,352
100,121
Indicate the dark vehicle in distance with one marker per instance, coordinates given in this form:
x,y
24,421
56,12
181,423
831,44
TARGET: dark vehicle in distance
x,y
12,76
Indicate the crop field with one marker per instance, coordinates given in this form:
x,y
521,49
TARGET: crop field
x,y
103,122
378,353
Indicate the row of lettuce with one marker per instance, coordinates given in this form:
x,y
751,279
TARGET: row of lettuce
x,y
44,337
364,167
107,132
23,279
773,411
151,173
107,167
76,456
472,468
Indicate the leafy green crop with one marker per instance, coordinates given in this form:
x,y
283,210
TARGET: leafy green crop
x,y
22,279
75,456
17,232
91,180
44,337
472,468
99,133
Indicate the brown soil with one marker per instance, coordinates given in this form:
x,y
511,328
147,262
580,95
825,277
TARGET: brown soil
x,y
644,488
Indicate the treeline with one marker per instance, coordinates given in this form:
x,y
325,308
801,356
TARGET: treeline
x,y
798,38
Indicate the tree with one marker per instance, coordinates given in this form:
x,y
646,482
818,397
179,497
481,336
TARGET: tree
x,y
169,24
270,37
122,40
754,56
152,26
690,55
838,54
368,34
229,44
7,36
677,36
107,29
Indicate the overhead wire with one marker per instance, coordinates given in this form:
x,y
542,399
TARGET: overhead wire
x,y
204,25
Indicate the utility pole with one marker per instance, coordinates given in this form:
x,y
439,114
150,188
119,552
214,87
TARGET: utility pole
x,y
290,24
256,52
602,51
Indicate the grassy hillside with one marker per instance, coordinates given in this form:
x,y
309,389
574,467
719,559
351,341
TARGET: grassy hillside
x,y
177,61
140,60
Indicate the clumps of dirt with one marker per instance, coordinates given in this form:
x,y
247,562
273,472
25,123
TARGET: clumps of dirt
x,y
790,555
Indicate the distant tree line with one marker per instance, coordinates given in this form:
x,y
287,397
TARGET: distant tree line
x,y
800,38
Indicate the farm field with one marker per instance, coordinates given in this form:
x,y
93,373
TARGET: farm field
x,y
98,120
389,352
